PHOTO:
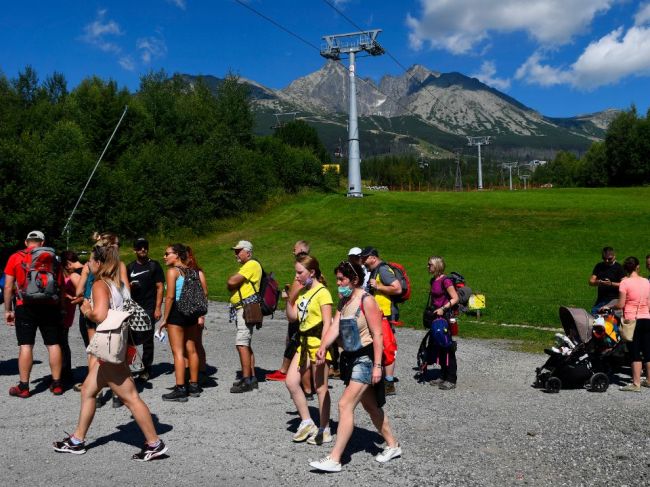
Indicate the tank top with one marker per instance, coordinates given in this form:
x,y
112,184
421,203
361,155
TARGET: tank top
x,y
354,330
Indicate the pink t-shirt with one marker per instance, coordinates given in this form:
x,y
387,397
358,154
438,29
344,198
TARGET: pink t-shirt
x,y
637,293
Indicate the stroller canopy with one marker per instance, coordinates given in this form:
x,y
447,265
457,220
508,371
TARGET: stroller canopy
x,y
577,323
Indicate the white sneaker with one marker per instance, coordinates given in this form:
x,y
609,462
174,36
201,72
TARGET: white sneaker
x,y
321,436
305,430
389,453
326,465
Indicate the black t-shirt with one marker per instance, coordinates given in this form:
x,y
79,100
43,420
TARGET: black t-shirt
x,y
143,279
615,273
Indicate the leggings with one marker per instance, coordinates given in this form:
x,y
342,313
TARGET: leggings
x,y
640,345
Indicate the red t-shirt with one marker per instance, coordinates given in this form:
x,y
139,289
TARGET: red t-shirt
x,y
15,269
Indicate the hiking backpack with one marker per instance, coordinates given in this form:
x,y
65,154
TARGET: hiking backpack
x,y
193,302
463,291
269,293
441,333
41,270
403,278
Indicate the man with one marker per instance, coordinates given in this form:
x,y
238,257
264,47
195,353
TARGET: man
x,y
146,278
31,314
607,276
383,284
244,286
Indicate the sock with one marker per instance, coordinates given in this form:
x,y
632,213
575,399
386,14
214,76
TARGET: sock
x,y
323,430
155,444
390,378
75,441
194,384
305,422
180,387
23,386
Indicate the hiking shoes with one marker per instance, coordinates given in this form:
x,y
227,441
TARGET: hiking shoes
x,y
278,375
56,388
16,391
321,436
150,452
117,402
645,383
66,446
194,390
242,386
389,453
305,430
334,374
178,394
436,382
630,388
389,388
446,385
309,396
326,465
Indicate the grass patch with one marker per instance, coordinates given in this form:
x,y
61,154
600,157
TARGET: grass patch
x,y
528,251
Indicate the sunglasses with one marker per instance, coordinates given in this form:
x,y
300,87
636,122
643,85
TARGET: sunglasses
x,y
348,264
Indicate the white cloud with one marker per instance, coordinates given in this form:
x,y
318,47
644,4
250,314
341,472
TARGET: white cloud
x,y
182,4
151,48
97,32
459,25
604,62
487,76
127,63
642,17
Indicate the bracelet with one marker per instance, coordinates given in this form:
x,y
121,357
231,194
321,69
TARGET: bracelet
x,y
377,366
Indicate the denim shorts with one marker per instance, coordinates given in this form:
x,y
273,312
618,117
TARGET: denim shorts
x,y
362,370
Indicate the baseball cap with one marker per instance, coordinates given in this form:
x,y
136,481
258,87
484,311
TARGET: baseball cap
x,y
368,251
243,244
355,251
141,243
35,235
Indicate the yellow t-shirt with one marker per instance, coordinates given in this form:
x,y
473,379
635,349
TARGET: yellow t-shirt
x,y
309,306
383,301
252,272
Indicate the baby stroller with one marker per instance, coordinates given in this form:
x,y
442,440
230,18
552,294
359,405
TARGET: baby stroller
x,y
585,356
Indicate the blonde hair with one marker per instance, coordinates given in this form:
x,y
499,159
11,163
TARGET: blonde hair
x,y
105,239
311,264
108,258
437,265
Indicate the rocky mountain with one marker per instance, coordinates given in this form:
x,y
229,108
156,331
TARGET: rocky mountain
x,y
422,105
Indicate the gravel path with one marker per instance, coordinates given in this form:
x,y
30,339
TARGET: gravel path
x,y
494,429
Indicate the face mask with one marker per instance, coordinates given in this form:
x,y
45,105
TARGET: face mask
x,y
345,291
309,281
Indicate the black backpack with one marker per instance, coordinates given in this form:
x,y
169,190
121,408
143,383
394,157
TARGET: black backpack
x,y
193,302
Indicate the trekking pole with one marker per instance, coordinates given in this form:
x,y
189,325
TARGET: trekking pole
x,y
67,225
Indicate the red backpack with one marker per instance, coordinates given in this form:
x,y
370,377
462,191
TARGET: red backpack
x,y
41,271
390,342
405,282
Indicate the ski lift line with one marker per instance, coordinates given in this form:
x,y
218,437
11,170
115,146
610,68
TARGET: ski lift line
x,y
313,46
356,26
67,224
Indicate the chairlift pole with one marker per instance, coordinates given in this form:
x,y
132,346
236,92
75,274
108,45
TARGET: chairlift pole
x,y
66,228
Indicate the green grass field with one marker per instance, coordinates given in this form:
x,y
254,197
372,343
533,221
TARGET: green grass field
x,y
527,251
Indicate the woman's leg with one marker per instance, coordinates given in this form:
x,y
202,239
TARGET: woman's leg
x,y
121,383
347,404
177,344
321,373
92,360
200,350
191,336
293,385
91,386
378,417
305,379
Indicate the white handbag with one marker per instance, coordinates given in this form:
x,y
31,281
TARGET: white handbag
x,y
111,338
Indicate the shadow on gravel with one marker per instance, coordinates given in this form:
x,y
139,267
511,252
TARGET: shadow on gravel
x,y
362,440
162,368
292,424
10,367
130,434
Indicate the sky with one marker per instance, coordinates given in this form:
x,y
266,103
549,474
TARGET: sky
x,y
560,57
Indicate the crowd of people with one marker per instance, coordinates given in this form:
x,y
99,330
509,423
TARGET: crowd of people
x,y
346,336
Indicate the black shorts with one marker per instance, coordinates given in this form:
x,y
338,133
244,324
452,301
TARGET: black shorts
x,y
47,319
179,319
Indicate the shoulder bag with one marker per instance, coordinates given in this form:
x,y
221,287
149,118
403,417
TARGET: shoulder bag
x,y
628,326
110,340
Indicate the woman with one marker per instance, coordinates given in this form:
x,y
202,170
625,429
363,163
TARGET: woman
x,y
193,264
109,292
358,323
633,296
312,308
71,273
183,330
443,299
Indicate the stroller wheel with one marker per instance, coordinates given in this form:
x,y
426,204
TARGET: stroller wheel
x,y
599,382
553,385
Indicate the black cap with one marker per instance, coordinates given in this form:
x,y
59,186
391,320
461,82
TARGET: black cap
x,y
368,251
141,243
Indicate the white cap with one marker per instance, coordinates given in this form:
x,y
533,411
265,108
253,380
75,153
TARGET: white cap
x,y
35,235
355,251
243,244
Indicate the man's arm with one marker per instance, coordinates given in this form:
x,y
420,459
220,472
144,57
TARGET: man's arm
x,y
8,295
392,286
235,282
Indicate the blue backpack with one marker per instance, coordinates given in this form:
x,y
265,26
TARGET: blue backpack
x,y
441,333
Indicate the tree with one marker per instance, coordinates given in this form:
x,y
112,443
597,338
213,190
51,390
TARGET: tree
x,y
299,133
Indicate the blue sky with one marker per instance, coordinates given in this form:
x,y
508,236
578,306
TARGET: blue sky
x,y
560,57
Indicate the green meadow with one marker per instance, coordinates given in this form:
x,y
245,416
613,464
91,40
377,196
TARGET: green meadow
x,y
528,251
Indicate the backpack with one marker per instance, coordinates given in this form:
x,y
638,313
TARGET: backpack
x,y
441,333
390,342
41,270
403,278
193,302
464,292
269,293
